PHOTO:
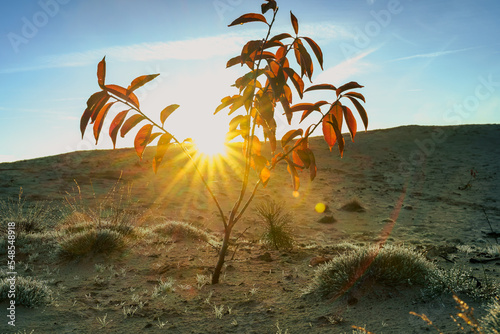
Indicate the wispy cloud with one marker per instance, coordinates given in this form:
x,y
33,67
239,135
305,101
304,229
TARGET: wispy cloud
x,y
346,69
192,49
433,54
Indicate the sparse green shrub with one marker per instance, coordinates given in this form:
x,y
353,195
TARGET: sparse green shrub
x,y
389,265
181,230
491,321
461,281
29,291
276,223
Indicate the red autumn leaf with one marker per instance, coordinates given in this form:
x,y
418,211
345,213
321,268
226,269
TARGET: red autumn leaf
x,y
296,80
306,61
101,72
295,23
251,17
361,111
316,49
142,139
115,125
315,106
99,121
302,106
161,149
123,94
280,37
167,112
321,86
130,123
271,4
94,104
272,44
332,124
350,121
356,95
347,86
290,135
140,81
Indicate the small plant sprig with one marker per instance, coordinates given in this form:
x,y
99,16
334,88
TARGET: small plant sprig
x,y
468,185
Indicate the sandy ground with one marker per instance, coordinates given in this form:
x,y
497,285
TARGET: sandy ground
x,y
411,181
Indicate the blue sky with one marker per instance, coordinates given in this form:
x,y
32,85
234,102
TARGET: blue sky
x,y
427,62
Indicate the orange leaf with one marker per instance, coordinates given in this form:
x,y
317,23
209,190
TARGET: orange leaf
x,y
101,72
293,173
280,37
290,135
153,137
306,61
100,120
94,104
167,112
251,17
271,4
316,49
161,149
296,80
225,102
312,167
356,95
123,94
264,176
142,139
332,124
347,86
350,121
130,123
256,146
140,81
361,111
233,61
295,23
286,107
115,125
321,86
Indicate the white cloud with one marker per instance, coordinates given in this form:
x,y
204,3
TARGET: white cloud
x,y
433,54
191,49
346,69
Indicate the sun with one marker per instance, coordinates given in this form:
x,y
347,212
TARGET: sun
x,y
211,145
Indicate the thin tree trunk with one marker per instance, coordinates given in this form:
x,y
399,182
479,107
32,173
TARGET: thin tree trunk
x,y
222,255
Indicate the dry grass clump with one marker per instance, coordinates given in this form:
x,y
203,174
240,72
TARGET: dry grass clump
x,y
276,222
491,321
28,218
29,291
390,265
180,230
